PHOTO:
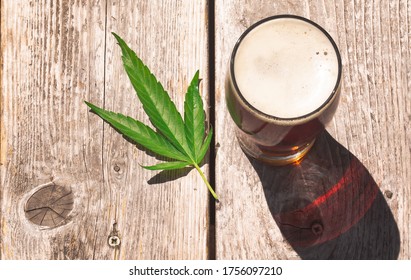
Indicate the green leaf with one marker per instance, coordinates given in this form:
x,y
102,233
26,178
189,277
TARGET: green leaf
x,y
176,139
156,102
194,117
205,146
140,133
168,165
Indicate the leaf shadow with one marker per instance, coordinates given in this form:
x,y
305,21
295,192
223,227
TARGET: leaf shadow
x,y
328,206
168,175
162,176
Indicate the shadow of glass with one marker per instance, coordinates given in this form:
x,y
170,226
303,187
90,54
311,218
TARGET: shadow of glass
x,y
328,206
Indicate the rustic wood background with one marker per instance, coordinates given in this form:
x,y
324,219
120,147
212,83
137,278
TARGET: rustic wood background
x,y
55,54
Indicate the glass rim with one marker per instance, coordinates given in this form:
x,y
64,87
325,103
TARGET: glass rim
x,y
271,117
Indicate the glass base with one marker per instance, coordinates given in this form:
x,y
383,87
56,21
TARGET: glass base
x,y
293,157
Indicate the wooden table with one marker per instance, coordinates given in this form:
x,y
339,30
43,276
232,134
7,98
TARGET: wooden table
x,y
349,199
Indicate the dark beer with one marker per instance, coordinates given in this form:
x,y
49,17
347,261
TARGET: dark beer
x,y
283,87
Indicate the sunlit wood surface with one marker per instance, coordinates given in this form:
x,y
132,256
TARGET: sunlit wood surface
x,y
70,182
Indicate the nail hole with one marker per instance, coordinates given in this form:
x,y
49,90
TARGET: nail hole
x,y
388,194
317,228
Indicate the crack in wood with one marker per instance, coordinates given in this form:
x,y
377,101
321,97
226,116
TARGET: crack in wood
x,y
50,206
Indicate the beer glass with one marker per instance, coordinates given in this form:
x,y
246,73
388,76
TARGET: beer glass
x,y
282,87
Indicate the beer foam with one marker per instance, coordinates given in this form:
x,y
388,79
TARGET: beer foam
x,y
286,67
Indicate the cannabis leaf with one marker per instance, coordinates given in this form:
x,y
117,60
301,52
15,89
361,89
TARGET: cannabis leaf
x,y
182,142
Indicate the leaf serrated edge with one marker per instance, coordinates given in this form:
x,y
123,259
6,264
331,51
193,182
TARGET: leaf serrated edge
x,y
205,146
194,116
172,152
175,134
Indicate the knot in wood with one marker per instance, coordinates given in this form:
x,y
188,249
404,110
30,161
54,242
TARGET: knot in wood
x,y
49,206
116,168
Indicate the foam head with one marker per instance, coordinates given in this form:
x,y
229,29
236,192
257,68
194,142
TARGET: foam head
x,y
286,67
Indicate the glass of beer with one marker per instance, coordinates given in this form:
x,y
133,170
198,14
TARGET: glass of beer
x,y
282,87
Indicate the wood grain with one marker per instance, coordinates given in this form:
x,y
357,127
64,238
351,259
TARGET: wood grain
x,y
51,62
55,54
161,216
372,125
49,206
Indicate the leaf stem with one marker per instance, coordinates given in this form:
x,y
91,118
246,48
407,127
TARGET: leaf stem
x,y
206,181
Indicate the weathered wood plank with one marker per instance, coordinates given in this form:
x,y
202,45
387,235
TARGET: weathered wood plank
x,y
158,217
56,54
52,53
372,122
